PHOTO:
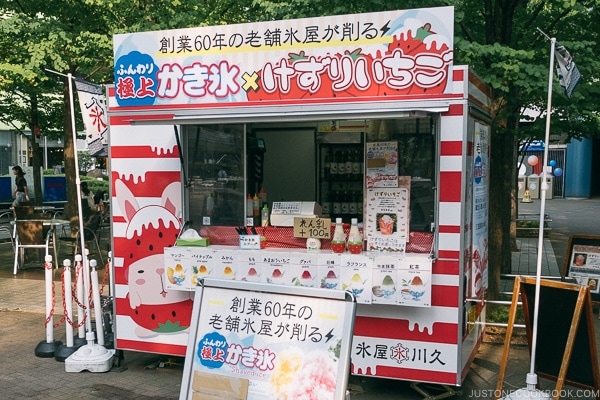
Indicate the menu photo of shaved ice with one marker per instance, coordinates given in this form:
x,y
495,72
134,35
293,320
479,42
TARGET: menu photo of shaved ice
x,y
356,276
177,268
386,223
306,276
328,276
275,274
250,272
301,375
328,271
384,287
414,279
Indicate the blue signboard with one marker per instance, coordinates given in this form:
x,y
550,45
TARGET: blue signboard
x,y
6,194
55,188
535,145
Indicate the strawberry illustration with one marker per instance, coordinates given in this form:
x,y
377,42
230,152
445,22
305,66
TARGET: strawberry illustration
x,y
150,229
371,76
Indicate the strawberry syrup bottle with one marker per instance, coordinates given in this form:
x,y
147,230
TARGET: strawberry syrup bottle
x,y
338,243
355,241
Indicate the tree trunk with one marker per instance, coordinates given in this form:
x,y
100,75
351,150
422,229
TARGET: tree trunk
x,y
35,151
514,201
501,176
71,206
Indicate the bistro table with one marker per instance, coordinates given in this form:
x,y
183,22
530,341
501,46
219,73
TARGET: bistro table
x,y
42,209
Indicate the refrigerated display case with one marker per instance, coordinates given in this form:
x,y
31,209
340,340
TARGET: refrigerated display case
x,y
340,157
417,161
341,169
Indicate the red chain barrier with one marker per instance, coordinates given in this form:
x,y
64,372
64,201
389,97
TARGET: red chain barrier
x,y
78,268
62,281
65,311
105,277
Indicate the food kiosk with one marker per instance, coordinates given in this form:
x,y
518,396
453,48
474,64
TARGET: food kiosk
x,y
350,116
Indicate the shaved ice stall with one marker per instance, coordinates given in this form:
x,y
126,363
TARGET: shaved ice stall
x,y
359,117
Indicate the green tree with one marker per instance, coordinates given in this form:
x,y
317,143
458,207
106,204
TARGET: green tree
x,y
25,102
75,37
499,39
496,37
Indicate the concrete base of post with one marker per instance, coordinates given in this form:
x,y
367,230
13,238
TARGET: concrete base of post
x,y
46,349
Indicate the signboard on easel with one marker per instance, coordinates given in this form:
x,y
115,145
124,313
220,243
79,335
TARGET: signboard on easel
x,y
582,262
257,341
568,355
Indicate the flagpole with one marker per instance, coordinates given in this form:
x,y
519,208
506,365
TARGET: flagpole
x,y
542,210
92,357
531,379
78,182
77,178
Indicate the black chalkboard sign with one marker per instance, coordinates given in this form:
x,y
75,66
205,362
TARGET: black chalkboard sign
x,y
582,262
566,342
564,322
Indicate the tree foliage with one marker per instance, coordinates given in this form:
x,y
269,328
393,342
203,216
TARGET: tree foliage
x,y
501,40
498,38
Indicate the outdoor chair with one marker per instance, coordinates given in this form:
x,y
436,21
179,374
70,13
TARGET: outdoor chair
x,y
91,229
31,234
25,212
7,228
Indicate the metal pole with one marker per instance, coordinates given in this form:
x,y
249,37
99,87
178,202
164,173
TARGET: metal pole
x,y
69,77
45,152
544,188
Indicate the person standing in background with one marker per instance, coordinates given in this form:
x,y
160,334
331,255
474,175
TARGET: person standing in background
x,y
87,195
21,194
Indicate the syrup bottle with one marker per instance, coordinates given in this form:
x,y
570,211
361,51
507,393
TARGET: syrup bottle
x,y
338,243
355,240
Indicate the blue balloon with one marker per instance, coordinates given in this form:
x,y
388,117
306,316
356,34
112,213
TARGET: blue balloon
x,y
558,171
552,163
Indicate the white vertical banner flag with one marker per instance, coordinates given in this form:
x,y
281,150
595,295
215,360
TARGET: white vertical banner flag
x,y
568,74
93,111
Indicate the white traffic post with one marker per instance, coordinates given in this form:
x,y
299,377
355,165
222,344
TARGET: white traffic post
x,y
47,348
97,304
68,302
80,294
65,351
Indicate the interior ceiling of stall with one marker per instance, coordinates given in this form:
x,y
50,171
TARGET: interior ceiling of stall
x,y
302,113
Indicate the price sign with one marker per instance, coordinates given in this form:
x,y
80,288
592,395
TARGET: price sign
x,y
318,228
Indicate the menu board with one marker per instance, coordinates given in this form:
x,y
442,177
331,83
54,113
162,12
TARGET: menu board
x,y
392,278
256,341
382,164
585,266
387,222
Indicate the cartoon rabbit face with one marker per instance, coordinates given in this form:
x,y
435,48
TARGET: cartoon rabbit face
x,y
150,229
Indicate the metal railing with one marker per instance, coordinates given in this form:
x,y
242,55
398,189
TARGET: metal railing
x,y
508,303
